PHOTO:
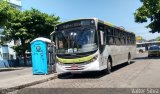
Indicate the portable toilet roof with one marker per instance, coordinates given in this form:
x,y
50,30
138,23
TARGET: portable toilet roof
x,y
42,39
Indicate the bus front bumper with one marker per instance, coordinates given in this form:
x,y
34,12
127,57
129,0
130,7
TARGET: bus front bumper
x,y
78,68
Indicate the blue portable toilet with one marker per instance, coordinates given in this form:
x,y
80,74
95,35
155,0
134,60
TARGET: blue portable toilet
x,y
39,50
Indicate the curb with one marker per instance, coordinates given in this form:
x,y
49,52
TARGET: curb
x,y
7,90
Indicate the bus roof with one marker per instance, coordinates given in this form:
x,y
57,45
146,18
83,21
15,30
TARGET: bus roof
x,y
106,23
114,26
77,20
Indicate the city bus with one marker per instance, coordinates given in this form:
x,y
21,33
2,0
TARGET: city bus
x,y
144,46
84,45
141,47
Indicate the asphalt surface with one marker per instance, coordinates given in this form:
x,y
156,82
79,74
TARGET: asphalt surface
x,y
142,73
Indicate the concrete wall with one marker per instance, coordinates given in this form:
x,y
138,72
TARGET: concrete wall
x,y
4,64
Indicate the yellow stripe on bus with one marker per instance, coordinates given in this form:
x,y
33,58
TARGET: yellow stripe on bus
x,y
76,60
109,24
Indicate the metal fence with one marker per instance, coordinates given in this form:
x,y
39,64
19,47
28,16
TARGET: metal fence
x,y
15,63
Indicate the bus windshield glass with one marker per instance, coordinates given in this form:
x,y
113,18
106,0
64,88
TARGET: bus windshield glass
x,y
76,40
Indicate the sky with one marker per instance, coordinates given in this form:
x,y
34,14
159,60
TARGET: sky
x,y
117,12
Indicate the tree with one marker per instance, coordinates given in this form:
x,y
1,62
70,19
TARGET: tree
x,y
26,26
14,30
140,39
158,38
149,11
6,12
39,24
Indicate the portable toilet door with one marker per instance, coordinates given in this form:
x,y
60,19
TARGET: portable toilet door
x,y
39,57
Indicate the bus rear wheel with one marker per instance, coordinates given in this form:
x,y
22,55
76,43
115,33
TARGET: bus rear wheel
x,y
140,51
109,66
129,59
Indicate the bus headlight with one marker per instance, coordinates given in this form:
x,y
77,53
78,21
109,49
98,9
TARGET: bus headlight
x,y
88,61
93,59
57,61
60,63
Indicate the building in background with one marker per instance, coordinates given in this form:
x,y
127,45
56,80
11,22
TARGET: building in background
x,y
6,51
15,3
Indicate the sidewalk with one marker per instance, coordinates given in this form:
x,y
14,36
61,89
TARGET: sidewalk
x,y
17,79
10,69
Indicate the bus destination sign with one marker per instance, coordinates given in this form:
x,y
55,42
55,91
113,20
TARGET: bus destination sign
x,y
75,24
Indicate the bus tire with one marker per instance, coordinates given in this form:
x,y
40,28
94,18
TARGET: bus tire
x,y
108,69
129,59
140,51
109,66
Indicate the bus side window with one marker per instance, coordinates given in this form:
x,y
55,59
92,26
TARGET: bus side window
x,y
102,34
102,37
107,35
128,39
116,37
113,38
110,36
113,35
123,38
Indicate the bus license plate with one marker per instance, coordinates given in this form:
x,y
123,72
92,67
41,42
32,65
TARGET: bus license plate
x,y
74,67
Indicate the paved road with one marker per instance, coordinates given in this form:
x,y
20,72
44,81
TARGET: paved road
x,y
143,73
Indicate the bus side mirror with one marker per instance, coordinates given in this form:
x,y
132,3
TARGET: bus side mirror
x,y
50,49
102,37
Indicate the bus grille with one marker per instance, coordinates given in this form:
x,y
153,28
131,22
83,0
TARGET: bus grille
x,y
77,68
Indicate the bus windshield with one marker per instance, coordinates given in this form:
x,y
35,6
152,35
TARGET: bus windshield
x,y
154,48
76,40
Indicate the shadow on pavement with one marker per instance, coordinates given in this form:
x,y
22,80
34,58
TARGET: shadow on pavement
x,y
120,66
84,75
91,75
146,57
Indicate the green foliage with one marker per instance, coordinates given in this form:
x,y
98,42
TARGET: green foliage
x,y
158,38
28,25
6,12
13,28
149,11
39,24
25,26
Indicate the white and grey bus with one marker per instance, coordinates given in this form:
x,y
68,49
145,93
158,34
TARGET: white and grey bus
x,y
92,45
144,46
